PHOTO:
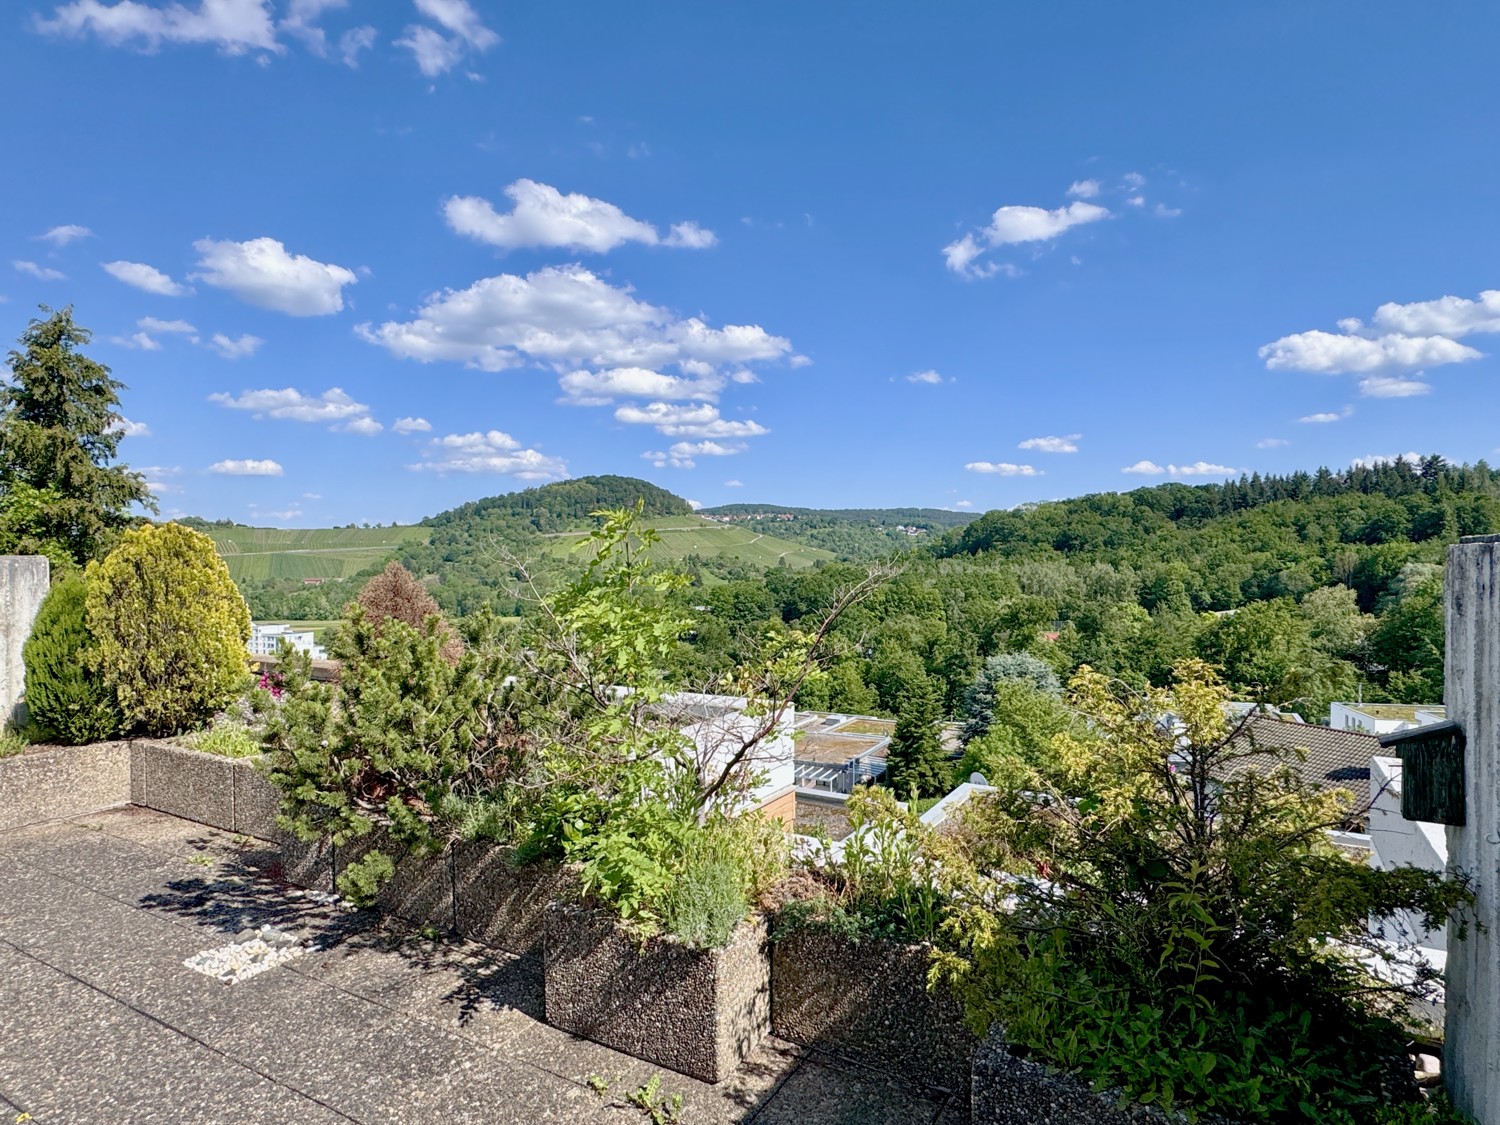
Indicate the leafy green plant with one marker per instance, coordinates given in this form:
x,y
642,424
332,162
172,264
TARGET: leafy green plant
x,y
720,868
68,702
1175,923
169,629
227,738
660,1108
12,743
1434,1110
891,877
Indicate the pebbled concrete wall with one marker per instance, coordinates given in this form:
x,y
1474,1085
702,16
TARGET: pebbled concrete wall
x,y
24,581
869,1002
699,1012
56,782
1008,1090
500,903
1471,1056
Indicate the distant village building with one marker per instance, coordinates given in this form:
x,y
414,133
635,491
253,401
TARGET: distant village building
x,y
266,638
1384,718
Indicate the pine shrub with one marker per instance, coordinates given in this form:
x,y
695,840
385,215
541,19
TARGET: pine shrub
x,y
69,702
395,594
169,629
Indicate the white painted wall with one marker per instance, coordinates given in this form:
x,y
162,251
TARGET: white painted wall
x,y
718,735
1397,842
24,582
1347,716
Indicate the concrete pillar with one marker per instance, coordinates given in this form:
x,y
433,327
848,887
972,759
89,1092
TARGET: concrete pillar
x,y
23,585
1471,1053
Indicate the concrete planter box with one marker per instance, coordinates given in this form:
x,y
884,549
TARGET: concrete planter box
x,y
500,903
869,1002
1008,1090
698,1012
53,782
306,863
420,890
226,793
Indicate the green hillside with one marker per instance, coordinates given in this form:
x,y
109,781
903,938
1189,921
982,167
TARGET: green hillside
x,y
690,538
297,553
849,533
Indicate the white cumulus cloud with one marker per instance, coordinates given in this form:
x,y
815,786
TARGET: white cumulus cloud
x,y
1370,460
598,388
1329,353
411,426
41,273
682,453
1145,468
1392,386
260,272
438,50
1037,224
126,428
929,377
1083,189
1323,417
141,341
568,318
144,277
1068,444
247,468
240,348
290,405
543,216
489,452
1201,469
1446,316
701,421
152,324
364,424
1003,468
68,232
234,26
1013,224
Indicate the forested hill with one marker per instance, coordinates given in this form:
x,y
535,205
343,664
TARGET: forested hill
x,y
562,506
1307,587
850,533
1370,504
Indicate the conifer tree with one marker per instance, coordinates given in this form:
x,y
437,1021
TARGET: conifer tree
x,y
60,493
67,701
915,759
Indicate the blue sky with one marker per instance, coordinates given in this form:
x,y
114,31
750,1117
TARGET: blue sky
x,y
367,259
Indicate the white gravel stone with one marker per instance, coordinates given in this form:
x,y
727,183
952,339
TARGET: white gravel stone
x,y
250,954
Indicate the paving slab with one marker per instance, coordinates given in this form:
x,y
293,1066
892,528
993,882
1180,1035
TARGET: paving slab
x,y
374,1023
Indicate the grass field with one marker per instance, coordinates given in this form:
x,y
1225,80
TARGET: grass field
x,y
682,536
336,552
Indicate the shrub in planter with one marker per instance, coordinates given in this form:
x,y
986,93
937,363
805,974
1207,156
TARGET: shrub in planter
x,y
68,702
1175,923
407,752
395,593
169,629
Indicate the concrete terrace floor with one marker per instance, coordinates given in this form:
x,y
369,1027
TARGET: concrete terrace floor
x,y
100,1021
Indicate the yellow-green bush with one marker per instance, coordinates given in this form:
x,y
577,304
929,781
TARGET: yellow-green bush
x,y
169,628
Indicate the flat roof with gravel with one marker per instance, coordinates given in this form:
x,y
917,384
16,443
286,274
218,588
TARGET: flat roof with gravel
x,y
102,1021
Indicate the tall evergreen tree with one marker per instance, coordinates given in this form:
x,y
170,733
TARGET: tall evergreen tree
x,y
60,492
915,759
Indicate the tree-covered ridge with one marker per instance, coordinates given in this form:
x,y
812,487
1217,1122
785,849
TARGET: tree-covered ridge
x,y
565,505
1422,500
850,533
